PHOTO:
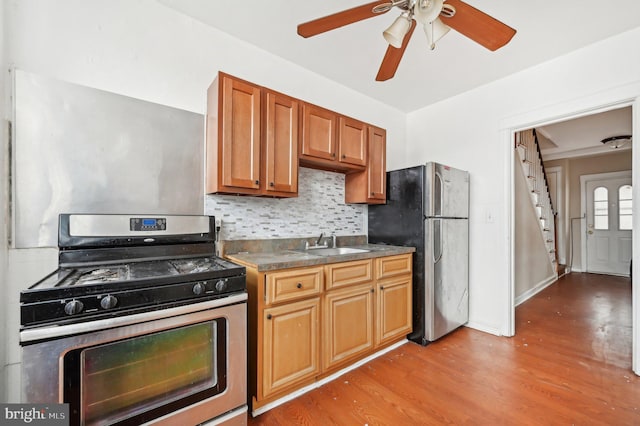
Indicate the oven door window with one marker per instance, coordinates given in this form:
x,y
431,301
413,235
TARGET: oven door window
x,y
141,378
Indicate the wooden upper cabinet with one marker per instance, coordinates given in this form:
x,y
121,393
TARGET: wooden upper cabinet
x,y
352,142
280,144
252,140
332,142
318,133
370,186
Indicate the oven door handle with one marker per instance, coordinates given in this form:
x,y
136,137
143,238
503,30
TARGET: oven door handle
x,y
49,332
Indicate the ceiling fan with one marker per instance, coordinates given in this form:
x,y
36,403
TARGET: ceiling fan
x,y
435,16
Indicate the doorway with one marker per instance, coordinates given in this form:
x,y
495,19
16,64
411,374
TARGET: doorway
x,y
601,103
607,201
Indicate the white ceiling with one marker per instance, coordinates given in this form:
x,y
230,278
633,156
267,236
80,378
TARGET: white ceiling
x,y
351,55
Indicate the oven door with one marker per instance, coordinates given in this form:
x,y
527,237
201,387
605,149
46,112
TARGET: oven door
x,y
180,365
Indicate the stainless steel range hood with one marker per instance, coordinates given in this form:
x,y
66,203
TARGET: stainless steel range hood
x,y
81,150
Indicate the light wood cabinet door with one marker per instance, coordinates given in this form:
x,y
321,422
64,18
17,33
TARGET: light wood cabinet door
x,y
376,167
352,141
240,144
291,339
347,324
394,299
318,132
280,144
370,186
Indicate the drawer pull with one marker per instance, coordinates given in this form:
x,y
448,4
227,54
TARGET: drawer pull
x,y
299,285
269,316
372,291
381,287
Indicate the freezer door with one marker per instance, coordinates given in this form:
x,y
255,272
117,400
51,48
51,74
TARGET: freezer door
x,y
447,276
448,194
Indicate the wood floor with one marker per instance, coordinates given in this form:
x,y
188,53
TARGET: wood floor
x,y
569,364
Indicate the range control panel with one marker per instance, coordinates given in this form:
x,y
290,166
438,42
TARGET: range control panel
x,y
147,224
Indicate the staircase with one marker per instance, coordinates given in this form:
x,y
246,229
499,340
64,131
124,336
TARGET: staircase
x,y
531,161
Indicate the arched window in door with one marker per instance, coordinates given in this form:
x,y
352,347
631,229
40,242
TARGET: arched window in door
x,y
625,203
601,208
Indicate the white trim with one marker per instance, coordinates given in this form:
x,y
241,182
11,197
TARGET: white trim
x,y
535,289
325,380
583,206
612,98
485,329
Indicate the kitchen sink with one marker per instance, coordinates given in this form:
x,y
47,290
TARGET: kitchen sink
x,y
336,251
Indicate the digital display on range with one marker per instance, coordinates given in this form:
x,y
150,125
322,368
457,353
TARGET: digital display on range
x,y
148,224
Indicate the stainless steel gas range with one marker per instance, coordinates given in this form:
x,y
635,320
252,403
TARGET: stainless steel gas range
x,y
140,324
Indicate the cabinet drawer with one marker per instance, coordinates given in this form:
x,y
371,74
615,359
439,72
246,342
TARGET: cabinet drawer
x,y
393,265
349,273
292,285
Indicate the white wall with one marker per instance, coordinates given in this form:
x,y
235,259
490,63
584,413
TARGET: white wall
x,y
471,131
147,51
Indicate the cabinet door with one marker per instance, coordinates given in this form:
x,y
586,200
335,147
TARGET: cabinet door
x,y
290,350
370,186
281,144
376,166
240,134
347,324
393,309
352,141
318,132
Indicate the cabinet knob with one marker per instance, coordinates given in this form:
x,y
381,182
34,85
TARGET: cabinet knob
x,y
299,285
333,155
271,184
372,291
257,182
344,156
381,287
373,193
269,316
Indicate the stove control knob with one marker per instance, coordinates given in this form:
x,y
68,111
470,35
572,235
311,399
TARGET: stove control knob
x,y
221,285
73,307
198,289
108,302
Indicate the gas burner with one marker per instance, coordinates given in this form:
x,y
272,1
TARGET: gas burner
x,y
192,266
100,275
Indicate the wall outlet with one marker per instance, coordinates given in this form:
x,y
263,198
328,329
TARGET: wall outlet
x,y
218,222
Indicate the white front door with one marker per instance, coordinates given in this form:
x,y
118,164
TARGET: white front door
x,y
608,225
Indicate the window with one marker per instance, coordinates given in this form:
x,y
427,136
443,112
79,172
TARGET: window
x,y
625,203
601,208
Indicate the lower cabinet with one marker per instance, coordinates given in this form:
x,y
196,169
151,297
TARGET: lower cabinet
x,y
291,340
347,324
307,323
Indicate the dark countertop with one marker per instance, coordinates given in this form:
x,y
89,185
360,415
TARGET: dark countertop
x,y
285,259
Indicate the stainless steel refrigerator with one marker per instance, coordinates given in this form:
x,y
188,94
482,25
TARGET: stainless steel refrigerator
x,y
428,208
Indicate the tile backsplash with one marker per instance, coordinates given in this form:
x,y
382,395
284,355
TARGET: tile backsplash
x,y
318,208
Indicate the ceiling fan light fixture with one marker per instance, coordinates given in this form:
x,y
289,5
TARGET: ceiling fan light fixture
x,y
435,31
427,11
397,30
615,142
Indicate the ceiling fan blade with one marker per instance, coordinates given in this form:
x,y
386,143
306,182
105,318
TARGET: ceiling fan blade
x,y
393,56
478,26
340,19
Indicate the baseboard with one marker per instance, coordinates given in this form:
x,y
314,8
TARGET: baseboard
x,y
535,290
483,328
325,380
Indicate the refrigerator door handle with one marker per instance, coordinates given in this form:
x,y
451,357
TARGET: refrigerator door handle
x,y
438,196
437,240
